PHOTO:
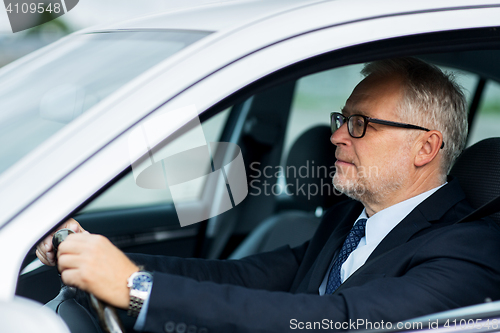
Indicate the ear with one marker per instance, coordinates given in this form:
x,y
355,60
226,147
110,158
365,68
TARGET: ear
x,y
428,147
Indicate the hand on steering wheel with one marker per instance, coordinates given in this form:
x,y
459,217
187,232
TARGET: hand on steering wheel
x,y
108,317
45,249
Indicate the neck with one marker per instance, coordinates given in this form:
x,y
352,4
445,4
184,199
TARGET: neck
x,y
415,187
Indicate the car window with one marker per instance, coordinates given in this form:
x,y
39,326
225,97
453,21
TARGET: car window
x,y
487,118
319,94
316,96
127,194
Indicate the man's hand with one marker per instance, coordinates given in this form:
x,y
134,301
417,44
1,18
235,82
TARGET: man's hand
x,y
45,250
93,264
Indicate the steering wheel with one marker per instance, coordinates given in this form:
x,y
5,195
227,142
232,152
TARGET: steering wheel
x,y
74,314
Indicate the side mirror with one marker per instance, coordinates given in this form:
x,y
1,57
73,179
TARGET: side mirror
x,y
23,315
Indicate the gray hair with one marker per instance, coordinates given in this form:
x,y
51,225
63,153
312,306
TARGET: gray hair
x,y
431,99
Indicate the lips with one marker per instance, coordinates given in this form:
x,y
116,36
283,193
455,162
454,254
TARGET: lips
x,y
343,161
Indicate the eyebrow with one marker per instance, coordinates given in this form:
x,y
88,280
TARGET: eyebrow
x,y
343,110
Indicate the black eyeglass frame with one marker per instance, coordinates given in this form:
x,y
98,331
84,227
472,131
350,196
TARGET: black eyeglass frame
x,y
373,120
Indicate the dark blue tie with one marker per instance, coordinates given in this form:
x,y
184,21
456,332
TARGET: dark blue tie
x,y
350,244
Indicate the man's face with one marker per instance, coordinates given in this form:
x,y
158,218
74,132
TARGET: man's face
x,y
372,168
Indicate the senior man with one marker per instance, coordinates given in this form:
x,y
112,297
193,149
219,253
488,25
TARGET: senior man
x,y
390,254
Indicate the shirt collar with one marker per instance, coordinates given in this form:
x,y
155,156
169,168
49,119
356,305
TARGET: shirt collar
x,y
381,223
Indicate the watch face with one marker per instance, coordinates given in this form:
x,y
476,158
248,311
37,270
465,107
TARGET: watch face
x,y
142,282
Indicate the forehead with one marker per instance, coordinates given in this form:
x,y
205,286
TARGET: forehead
x,y
375,97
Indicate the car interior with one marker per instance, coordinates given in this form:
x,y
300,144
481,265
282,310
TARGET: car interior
x,y
281,123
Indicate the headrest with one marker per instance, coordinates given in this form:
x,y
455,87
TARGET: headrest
x,y
478,172
310,168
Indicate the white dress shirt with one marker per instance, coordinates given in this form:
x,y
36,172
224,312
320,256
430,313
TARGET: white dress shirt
x,y
377,227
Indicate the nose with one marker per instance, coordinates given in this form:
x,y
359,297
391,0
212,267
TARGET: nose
x,y
341,136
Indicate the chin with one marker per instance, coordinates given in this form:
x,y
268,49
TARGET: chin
x,y
352,189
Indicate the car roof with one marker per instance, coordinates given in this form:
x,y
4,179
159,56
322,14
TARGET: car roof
x,y
230,15
214,17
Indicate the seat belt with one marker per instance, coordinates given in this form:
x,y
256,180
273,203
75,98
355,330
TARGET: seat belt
x,y
487,209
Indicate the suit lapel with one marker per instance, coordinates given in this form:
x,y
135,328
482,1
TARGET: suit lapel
x,y
332,246
430,211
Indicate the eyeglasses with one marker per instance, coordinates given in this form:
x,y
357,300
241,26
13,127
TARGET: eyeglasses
x,y
356,124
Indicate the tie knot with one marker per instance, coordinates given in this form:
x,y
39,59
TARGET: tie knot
x,y
359,228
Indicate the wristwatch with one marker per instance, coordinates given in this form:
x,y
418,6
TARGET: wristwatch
x,y
139,283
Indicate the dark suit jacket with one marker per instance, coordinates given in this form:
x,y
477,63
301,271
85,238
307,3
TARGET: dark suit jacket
x,y
425,264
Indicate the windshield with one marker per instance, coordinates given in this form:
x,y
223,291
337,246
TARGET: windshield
x,y
41,96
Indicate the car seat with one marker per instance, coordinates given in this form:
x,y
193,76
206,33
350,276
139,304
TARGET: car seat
x,y
478,172
310,167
